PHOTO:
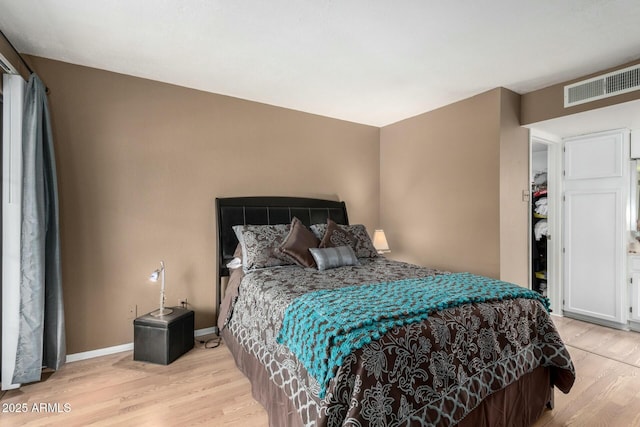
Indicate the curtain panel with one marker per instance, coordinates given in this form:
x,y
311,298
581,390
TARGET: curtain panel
x,y
41,336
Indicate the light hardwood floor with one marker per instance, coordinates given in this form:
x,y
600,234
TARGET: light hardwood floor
x,y
204,387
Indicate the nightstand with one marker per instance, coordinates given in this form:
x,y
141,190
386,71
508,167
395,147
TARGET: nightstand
x,y
163,339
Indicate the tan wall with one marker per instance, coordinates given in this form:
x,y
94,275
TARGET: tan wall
x,y
139,165
514,179
439,186
451,184
548,103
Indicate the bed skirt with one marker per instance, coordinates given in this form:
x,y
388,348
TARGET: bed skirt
x,y
519,404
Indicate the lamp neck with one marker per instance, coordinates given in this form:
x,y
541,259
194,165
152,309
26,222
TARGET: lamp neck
x,y
162,272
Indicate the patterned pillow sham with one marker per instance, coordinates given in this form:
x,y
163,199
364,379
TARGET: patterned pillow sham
x,y
339,256
297,243
356,236
260,245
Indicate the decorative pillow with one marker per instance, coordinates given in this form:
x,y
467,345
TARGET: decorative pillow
x,y
339,256
260,245
297,243
356,236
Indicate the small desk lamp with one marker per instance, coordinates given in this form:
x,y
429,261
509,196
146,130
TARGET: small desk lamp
x,y
154,278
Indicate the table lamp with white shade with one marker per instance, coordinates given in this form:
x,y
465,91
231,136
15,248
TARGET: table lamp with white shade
x,y
380,242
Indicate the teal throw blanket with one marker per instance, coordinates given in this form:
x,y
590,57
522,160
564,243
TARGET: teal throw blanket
x,y
323,327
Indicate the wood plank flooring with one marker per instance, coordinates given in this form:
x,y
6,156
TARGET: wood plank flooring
x,y
607,387
204,387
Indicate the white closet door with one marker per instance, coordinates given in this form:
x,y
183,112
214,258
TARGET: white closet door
x,y
595,204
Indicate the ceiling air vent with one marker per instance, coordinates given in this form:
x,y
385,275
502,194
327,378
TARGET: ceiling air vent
x,y
604,86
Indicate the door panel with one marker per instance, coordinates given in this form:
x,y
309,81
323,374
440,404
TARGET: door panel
x,y
592,253
595,156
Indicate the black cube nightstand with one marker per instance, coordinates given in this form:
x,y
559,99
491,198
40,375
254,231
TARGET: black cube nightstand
x,y
163,339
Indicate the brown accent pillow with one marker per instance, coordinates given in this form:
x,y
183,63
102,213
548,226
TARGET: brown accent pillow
x,y
356,236
297,243
335,236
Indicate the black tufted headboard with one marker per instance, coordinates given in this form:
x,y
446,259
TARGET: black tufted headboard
x,y
267,210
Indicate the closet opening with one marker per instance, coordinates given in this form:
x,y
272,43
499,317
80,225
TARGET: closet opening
x,y
539,211
545,173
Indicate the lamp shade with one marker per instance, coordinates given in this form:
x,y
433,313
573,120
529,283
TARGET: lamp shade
x,y
380,242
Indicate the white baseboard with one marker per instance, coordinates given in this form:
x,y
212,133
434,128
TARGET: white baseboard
x,y
99,352
75,357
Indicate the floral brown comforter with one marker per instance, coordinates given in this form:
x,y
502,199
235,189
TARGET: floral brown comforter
x,y
429,373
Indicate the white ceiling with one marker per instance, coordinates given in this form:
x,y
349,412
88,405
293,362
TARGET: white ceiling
x,y
367,61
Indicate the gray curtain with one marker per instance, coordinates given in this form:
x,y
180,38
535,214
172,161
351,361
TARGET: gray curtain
x,y
41,340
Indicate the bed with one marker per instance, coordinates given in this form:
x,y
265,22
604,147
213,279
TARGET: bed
x,y
477,361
